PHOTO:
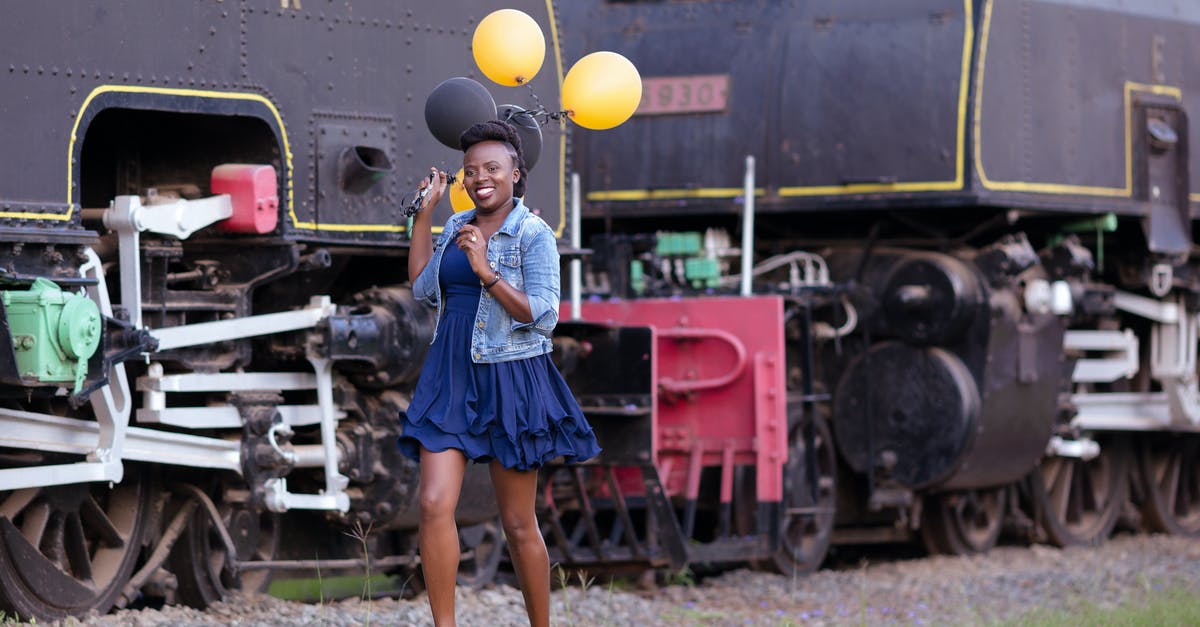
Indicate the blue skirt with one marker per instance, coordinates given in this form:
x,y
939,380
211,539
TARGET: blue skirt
x,y
520,413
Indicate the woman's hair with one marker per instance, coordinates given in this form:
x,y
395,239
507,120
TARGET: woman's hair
x,y
499,131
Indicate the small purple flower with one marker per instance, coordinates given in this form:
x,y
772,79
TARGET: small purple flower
x,y
818,613
763,604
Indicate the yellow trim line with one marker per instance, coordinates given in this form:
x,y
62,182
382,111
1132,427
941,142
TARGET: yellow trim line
x,y
964,82
670,194
562,124
219,95
167,91
853,188
1125,191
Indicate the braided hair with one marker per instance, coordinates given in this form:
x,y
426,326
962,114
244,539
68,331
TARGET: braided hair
x,y
505,133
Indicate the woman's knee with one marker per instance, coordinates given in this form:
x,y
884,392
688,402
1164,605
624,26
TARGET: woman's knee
x,y
437,505
520,527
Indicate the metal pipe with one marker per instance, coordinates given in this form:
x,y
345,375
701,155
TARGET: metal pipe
x,y
576,243
748,226
311,455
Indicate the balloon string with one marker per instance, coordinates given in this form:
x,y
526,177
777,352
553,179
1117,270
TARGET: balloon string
x,y
541,115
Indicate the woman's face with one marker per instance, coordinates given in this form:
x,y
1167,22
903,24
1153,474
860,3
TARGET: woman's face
x,y
488,176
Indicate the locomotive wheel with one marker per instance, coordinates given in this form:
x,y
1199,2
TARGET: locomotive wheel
x,y
963,523
1078,502
807,520
482,546
1171,471
67,550
201,565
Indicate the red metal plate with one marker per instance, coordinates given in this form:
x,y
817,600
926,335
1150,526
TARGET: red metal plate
x,y
684,94
719,365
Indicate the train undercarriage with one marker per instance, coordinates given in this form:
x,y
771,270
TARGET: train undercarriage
x,y
935,395
890,394
218,429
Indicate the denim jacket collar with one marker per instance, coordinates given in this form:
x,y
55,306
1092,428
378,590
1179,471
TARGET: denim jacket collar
x,y
512,222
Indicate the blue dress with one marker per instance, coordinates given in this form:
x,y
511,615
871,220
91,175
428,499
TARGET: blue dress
x,y
519,412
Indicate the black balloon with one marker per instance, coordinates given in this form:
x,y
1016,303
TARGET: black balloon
x,y
453,106
527,128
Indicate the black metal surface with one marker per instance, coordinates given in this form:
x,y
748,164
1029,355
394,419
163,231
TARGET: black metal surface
x,y
793,69
381,341
923,413
609,370
1020,389
214,71
1161,130
930,299
845,105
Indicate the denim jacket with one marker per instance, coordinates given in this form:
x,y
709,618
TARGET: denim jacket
x,y
525,252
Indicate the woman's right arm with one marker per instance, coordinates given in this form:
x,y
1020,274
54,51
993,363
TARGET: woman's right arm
x,y
420,246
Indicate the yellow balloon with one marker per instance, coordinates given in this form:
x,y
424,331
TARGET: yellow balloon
x,y
509,47
459,200
601,90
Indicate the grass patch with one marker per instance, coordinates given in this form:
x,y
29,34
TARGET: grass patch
x,y
325,588
1171,606
694,615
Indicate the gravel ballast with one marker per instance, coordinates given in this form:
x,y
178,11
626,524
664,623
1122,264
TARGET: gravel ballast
x,y
1005,584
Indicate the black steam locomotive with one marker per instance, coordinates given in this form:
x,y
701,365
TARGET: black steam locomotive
x,y
958,304
976,216
206,322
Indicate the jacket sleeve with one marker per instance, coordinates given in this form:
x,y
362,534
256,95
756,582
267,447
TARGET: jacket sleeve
x,y
425,288
540,269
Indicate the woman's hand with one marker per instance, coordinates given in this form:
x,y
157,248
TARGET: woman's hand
x,y
470,239
420,249
436,184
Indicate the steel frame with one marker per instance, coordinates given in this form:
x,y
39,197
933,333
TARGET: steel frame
x,y
109,440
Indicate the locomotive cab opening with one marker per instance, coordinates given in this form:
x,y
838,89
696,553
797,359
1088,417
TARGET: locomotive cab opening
x,y
129,151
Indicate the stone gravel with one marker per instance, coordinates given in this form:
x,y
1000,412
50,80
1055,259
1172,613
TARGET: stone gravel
x,y
1005,584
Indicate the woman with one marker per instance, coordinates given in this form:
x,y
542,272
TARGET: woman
x,y
488,391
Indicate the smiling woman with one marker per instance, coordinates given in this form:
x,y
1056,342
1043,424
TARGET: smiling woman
x,y
488,392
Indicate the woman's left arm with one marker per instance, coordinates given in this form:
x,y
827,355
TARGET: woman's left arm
x,y
537,306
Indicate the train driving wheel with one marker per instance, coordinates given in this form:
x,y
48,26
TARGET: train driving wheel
x,y
67,550
1170,469
482,546
201,563
966,522
1078,501
809,500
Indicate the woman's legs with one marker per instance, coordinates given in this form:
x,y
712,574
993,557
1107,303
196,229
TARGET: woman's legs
x,y
441,482
516,492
